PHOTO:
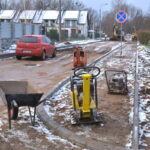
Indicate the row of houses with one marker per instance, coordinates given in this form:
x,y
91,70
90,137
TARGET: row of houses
x,y
73,22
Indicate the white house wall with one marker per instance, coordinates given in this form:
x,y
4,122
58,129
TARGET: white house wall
x,y
83,17
69,32
84,29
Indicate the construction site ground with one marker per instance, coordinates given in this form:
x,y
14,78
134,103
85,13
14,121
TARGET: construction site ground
x,y
115,109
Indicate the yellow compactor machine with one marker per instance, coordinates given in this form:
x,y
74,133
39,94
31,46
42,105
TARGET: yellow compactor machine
x,y
84,95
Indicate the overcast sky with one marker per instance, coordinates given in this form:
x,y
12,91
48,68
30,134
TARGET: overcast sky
x,y
97,4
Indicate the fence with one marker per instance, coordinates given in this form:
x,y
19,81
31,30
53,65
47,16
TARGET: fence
x,y
10,32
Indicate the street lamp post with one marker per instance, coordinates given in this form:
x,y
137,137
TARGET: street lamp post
x,y
60,36
24,5
93,35
100,22
79,9
101,18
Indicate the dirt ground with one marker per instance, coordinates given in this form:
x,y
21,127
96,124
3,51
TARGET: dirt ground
x,y
43,76
115,127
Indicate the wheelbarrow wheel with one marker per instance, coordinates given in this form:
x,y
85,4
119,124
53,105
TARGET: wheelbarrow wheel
x,y
14,113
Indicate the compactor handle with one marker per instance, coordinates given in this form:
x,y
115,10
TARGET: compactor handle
x,y
83,70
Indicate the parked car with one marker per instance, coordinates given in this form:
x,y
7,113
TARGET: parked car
x,y
35,45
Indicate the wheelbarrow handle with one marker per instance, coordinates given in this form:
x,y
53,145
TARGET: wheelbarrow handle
x,y
41,101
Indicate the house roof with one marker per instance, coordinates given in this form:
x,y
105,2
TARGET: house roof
x,y
38,18
71,14
83,17
40,15
27,14
16,17
50,15
7,14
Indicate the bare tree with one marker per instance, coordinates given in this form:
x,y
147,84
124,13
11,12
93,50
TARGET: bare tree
x,y
118,5
135,17
92,18
39,4
28,4
0,5
4,4
108,23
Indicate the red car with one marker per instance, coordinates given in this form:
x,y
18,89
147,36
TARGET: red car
x,y
35,45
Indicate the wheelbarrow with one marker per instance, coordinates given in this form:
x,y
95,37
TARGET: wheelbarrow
x,y
18,94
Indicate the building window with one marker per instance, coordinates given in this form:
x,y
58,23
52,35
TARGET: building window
x,y
74,23
46,22
70,23
79,31
67,23
52,23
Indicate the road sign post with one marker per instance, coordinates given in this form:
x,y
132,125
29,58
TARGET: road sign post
x,y
121,17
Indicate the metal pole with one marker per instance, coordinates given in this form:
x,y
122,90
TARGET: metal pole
x,y
101,18
93,30
100,22
24,5
60,36
121,39
0,38
0,44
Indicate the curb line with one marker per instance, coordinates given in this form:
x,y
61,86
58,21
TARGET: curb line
x,y
76,139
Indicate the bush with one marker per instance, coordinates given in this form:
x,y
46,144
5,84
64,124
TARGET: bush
x,y
53,34
144,37
77,36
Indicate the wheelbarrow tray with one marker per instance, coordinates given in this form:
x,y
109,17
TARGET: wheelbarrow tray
x,y
16,94
31,99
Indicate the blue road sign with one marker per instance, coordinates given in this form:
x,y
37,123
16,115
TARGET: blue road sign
x,y
121,16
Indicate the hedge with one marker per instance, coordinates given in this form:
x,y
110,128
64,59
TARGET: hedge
x,y
144,37
53,34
